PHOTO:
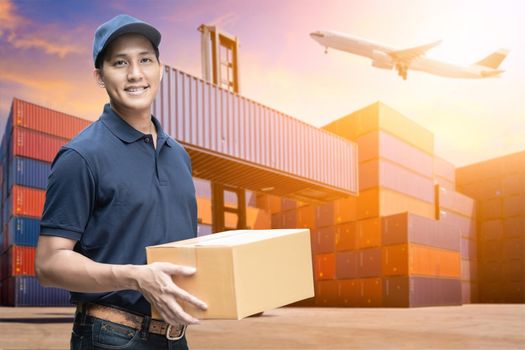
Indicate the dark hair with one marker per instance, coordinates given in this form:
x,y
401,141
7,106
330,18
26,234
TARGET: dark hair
x,y
100,58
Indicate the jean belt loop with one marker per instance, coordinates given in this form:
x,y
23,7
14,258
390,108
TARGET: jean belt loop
x,y
83,313
144,329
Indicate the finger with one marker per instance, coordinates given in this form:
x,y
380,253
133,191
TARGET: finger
x,y
184,295
184,316
181,270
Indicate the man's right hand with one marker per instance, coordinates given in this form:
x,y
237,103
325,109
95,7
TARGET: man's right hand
x,y
155,282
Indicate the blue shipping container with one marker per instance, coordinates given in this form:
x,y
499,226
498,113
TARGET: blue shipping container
x,y
23,231
29,173
26,291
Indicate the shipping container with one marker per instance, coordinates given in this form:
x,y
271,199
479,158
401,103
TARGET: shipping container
x,y
368,233
514,227
467,226
324,240
324,215
408,291
289,219
26,291
35,145
306,217
253,146
29,173
369,262
456,202
380,145
22,231
468,249
204,211
383,202
382,173
444,183
346,237
469,270
25,201
258,219
327,293
371,292
514,205
347,264
413,259
349,292
30,116
379,116
18,261
469,292
204,230
444,169
324,266
345,210
411,228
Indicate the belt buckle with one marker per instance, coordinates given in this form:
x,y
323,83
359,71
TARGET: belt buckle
x,y
169,337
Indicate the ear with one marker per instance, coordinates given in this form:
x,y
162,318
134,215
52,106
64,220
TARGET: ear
x,y
97,74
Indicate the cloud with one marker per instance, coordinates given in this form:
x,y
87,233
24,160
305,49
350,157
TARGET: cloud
x,y
22,33
9,20
53,48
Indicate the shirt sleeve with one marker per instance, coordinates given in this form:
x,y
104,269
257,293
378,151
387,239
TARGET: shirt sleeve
x,y
70,196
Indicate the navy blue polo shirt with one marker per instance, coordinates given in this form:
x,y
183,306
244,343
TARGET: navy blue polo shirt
x,y
111,191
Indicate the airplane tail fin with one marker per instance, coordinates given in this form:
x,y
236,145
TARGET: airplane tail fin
x,y
494,59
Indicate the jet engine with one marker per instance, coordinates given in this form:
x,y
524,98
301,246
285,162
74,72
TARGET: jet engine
x,y
381,60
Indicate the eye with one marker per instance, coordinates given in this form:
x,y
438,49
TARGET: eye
x,y
146,60
119,63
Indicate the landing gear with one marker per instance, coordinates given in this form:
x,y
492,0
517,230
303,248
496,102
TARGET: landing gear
x,y
402,70
325,50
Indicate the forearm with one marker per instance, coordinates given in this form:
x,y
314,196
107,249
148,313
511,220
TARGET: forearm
x,y
70,270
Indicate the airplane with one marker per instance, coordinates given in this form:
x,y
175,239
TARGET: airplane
x,y
412,58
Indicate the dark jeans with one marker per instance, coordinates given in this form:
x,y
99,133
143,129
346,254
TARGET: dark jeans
x,y
90,333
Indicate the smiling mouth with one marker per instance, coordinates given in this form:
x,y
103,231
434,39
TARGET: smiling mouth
x,y
136,90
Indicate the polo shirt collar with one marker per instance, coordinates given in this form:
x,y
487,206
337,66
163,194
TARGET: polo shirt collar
x,y
126,132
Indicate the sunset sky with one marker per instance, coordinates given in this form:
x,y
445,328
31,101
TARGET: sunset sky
x,y
46,58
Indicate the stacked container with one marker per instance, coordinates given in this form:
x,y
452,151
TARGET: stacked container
x,y
32,137
499,187
458,210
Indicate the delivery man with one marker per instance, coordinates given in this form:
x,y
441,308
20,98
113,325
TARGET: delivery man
x,y
120,185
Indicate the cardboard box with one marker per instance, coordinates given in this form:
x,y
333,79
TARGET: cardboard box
x,y
242,272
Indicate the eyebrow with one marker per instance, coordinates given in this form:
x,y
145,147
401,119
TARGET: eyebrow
x,y
125,55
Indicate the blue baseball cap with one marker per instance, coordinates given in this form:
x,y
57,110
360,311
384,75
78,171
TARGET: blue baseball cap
x,y
117,26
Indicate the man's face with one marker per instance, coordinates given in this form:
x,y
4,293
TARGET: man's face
x,y
131,73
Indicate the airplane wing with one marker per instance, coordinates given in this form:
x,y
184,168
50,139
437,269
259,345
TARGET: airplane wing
x,y
410,54
402,58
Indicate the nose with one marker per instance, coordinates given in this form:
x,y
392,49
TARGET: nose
x,y
134,72
317,35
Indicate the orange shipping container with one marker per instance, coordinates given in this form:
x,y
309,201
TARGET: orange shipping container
x,y
369,233
371,292
379,116
306,217
27,201
345,210
383,202
18,261
35,145
327,293
413,259
514,205
31,116
491,208
325,266
346,237
349,292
